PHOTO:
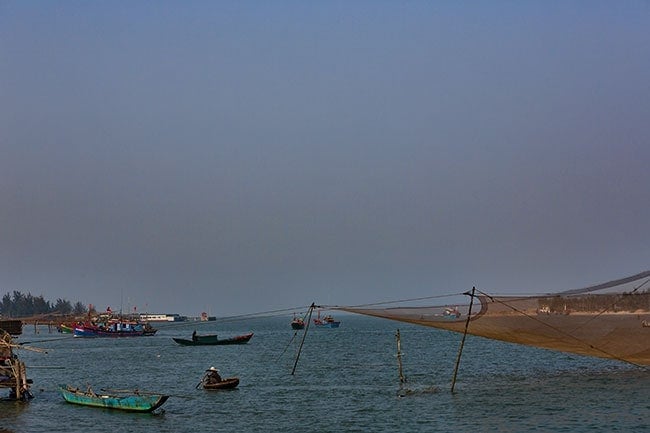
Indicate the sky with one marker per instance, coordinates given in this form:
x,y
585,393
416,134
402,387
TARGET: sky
x,y
241,157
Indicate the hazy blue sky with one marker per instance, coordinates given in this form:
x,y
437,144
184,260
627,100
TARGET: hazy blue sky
x,y
237,157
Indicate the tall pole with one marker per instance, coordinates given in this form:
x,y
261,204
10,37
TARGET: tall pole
x,y
295,364
462,342
402,379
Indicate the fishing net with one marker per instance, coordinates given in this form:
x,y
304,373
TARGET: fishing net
x,y
609,320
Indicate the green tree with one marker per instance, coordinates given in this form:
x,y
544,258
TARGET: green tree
x,y
62,306
79,309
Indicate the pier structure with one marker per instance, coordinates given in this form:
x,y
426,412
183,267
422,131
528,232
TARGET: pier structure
x,y
13,374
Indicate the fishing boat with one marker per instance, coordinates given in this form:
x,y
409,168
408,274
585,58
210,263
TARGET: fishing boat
x,y
132,401
213,340
114,328
297,323
327,321
605,320
213,381
228,383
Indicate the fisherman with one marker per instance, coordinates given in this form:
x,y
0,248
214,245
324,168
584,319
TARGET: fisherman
x,y
213,376
194,335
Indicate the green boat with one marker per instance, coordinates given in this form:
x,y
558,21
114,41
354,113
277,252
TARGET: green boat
x,y
212,340
132,401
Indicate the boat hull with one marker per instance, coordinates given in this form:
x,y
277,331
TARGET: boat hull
x,y
89,332
129,403
228,383
212,340
328,324
65,329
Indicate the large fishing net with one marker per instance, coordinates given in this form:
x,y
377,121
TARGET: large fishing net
x,y
609,320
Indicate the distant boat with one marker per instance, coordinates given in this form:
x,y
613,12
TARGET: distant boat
x,y
213,340
297,322
327,321
132,401
114,328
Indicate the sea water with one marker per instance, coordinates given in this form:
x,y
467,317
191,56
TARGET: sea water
x,y
345,380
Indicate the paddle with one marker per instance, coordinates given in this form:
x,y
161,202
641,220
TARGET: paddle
x,y
200,383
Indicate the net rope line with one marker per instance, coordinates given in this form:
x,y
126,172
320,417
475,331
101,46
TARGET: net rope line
x,y
237,317
399,301
560,331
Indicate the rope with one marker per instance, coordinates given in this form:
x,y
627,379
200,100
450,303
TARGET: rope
x,y
47,340
238,317
338,307
288,344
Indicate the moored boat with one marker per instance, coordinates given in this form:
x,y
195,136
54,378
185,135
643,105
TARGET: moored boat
x,y
66,328
297,323
114,328
213,340
133,401
327,321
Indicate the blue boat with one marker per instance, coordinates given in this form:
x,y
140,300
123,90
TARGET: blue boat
x,y
133,401
114,328
326,322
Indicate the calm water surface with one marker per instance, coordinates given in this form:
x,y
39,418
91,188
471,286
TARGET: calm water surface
x,y
346,381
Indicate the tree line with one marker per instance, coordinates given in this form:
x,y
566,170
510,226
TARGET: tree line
x,y
18,304
602,302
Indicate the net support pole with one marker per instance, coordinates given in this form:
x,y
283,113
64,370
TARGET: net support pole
x,y
402,379
462,341
295,364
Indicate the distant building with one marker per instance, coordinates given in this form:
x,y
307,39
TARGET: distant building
x,y
162,317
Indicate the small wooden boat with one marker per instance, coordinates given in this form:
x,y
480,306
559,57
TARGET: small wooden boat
x,y
213,381
228,383
213,340
133,401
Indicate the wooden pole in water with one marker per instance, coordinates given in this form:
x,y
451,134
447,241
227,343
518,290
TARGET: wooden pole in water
x,y
402,379
311,309
462,342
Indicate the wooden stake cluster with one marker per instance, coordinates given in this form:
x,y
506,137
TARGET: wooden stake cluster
x,y
13,373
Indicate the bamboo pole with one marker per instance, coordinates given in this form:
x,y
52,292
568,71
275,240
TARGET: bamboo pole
x,y
402,379
311,310
462,342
